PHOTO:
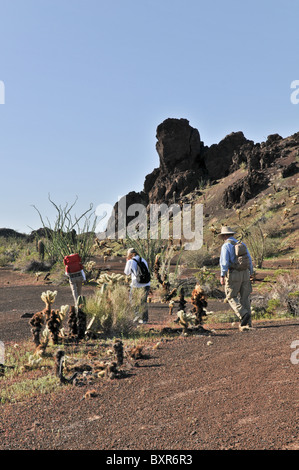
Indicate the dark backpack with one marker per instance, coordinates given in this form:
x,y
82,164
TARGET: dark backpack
x,y
143,275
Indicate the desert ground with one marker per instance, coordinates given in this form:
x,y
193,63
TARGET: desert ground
x,y
222,390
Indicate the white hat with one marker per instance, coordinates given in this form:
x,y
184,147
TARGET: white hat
x,y
131,251
226,231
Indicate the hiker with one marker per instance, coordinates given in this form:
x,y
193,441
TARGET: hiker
x,y
131,269
235,276
74,271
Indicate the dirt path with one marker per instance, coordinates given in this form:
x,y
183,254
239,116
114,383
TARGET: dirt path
x,y
239,392
231,390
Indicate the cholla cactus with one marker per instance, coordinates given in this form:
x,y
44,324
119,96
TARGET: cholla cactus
x,y
63,311
238,212
54,324
186,319
36,323
110,279
41,249
33,362
89,265
41,348
198,299
171,305
46,334
49,298
286,213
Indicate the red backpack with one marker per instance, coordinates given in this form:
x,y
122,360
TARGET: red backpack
x,y
72,263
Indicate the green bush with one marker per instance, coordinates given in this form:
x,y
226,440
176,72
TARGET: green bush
x,y
273,305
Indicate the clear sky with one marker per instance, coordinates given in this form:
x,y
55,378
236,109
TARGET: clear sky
x,y
87,82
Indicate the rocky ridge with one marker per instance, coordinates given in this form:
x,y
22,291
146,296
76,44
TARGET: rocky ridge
x,y
186,165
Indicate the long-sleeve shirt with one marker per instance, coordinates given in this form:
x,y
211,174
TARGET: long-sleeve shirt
x,y
131,269
228,257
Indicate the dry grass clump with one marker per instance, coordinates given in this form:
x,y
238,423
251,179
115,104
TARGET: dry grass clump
x,y
110,311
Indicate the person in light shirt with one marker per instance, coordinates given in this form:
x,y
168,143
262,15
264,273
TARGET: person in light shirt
x,y
131,270
237,283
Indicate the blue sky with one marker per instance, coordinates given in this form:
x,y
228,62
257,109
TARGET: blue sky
x,y
87,82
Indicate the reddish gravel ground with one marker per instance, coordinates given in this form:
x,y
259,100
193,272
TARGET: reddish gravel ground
x,y
229,390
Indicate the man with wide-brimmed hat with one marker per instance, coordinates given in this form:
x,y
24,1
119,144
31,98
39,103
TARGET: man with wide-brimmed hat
x,y
236,278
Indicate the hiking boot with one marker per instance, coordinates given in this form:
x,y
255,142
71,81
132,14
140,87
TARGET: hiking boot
x,y
244,328
245,320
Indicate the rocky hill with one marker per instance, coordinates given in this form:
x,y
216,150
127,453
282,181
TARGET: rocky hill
x,y
225,176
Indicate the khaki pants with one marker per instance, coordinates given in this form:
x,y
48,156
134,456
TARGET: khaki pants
x,y
76,286
143,307
237,290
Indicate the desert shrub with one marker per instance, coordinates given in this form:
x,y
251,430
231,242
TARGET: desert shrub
x,y
10,249
207,279
4,260
36,266
111,311
273,305
270,248
283,296
98,310
255,241
200,258
293,303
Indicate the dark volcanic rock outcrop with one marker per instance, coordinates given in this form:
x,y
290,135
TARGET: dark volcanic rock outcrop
x,y
245,188
182,164
178,145
185,163
219,157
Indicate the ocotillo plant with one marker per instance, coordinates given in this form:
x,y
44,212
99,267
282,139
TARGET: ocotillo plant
x,y
69,234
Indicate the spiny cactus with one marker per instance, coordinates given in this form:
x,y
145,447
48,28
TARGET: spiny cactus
x,y
81,301
49,298
118,348
54,324
33,362
186,319
72,321
110,279
182,301
63,311
41,249
198,299
171,305
37,322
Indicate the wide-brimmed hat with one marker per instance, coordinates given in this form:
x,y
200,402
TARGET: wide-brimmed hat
x,y
226,231
131,251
